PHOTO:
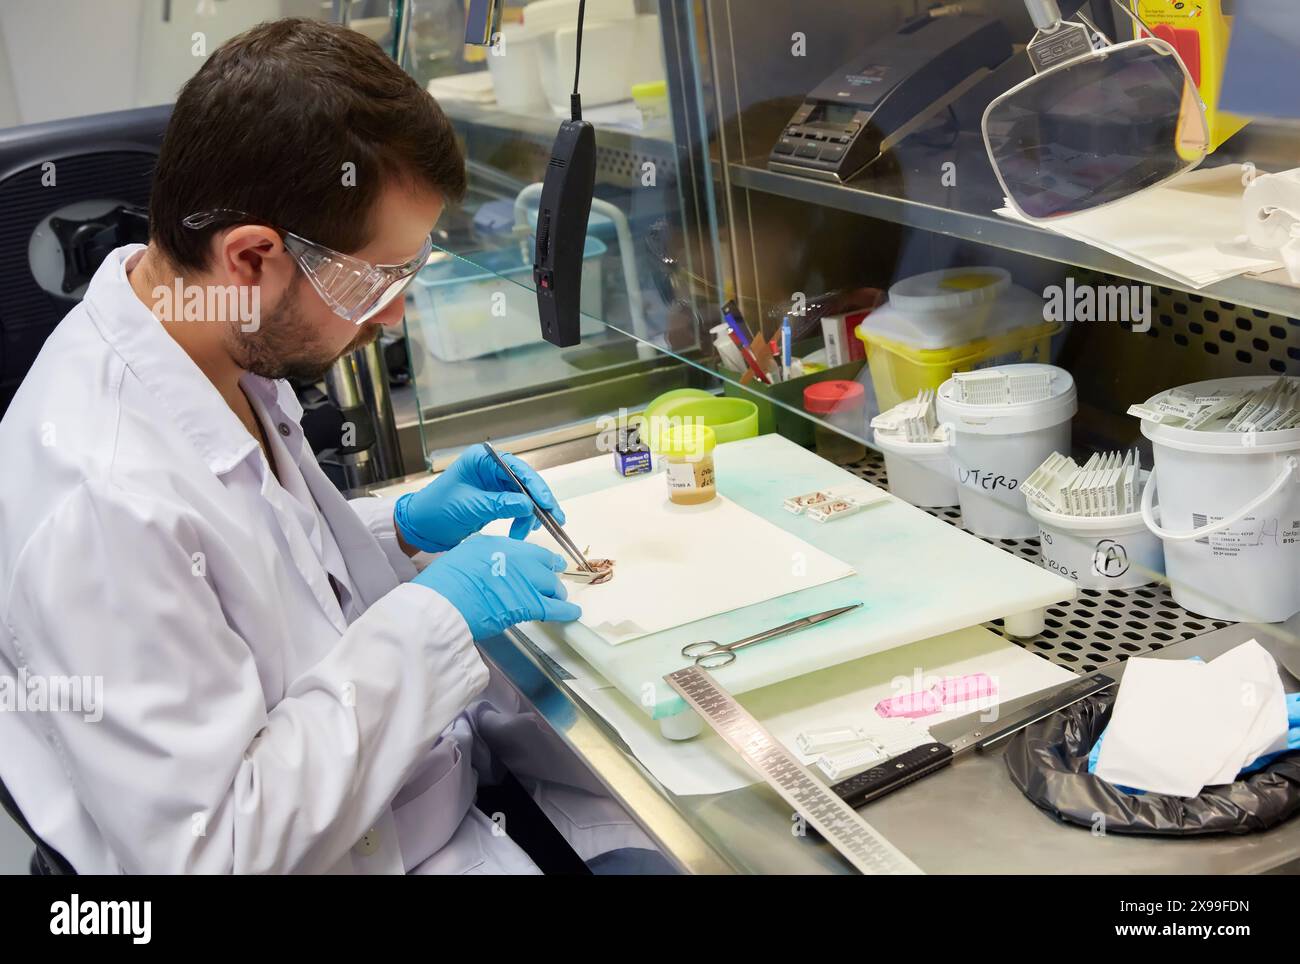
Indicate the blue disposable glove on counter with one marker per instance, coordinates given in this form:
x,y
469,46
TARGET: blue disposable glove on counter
x,y
471,493
1292,743
495,583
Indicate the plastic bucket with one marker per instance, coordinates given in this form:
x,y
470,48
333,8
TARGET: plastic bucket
x,y
951,320
920,473
898,372
1229,515
995,447
1113,552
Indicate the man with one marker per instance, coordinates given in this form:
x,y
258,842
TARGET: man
x,y
281,689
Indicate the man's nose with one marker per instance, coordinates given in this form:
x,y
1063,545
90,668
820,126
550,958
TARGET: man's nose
x,y
391,313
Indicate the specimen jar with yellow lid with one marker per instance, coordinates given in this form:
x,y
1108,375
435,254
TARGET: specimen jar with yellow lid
x,y
687,453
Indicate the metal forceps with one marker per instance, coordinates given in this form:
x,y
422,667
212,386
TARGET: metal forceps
x,y
544,516
713,655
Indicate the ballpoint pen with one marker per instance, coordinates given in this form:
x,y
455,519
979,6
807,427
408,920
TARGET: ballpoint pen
x,y
740,335
785,348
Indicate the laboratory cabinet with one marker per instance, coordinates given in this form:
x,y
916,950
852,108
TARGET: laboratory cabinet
x,y
925,360
798,230
932,371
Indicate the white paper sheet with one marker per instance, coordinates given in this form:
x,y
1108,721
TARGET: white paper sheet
x,y
844,694
1259,685
1179,725
1175,230
676,564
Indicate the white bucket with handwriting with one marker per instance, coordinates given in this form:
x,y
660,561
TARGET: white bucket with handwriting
x,y
1229,513
996,447
1101,552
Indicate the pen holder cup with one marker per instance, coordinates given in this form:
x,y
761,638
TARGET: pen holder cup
x,y
781,406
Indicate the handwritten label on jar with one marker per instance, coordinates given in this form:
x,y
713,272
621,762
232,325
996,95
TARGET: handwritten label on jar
x,y
690,475
989,481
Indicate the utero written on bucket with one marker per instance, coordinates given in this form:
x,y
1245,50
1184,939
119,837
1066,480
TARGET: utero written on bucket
x,y
980,479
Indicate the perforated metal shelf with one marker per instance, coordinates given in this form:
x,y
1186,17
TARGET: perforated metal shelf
x,y
1099,626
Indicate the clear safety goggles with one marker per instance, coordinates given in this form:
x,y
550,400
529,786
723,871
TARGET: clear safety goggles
x,y
1096,128
354,289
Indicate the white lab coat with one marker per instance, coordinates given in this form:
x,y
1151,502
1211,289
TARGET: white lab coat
x,y
254,719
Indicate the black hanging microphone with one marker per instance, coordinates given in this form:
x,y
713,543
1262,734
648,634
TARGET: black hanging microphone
x,y
562,218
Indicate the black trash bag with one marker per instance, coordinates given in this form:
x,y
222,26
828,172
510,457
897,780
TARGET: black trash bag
x,y
1048,761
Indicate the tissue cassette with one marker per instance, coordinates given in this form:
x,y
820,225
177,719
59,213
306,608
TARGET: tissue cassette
x,y
799,503
836,508
823,506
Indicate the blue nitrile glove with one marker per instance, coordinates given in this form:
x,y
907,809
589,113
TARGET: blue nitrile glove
x,y
497,582
471,493
1292,744
1292,735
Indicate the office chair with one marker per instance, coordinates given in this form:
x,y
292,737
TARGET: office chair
x,y
72,190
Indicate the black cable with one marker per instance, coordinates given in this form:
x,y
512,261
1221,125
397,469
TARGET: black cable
x,y
575,101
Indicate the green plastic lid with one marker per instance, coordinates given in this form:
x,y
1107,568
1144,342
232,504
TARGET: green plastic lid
x,y
686,441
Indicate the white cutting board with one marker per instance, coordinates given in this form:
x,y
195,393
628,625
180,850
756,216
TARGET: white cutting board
x,y
917,576
676,564
843,695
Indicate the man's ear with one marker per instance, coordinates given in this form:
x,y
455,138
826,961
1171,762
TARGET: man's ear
x,y
253,254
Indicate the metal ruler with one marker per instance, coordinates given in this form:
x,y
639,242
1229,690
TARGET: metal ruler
x,y
539,654
830,816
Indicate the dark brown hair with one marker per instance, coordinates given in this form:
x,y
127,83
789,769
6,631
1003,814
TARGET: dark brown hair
x,y
268,124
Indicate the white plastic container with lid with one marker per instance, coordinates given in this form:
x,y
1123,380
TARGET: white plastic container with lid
x,y
995,448
1229,513
609,44
1102,552
453,302
953,306
551,15
920,473
953,320
516,69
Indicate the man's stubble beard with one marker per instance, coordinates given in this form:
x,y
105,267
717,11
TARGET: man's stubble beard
x,y
284,345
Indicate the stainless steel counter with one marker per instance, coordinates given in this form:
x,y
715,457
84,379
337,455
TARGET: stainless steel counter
x,y
968,818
